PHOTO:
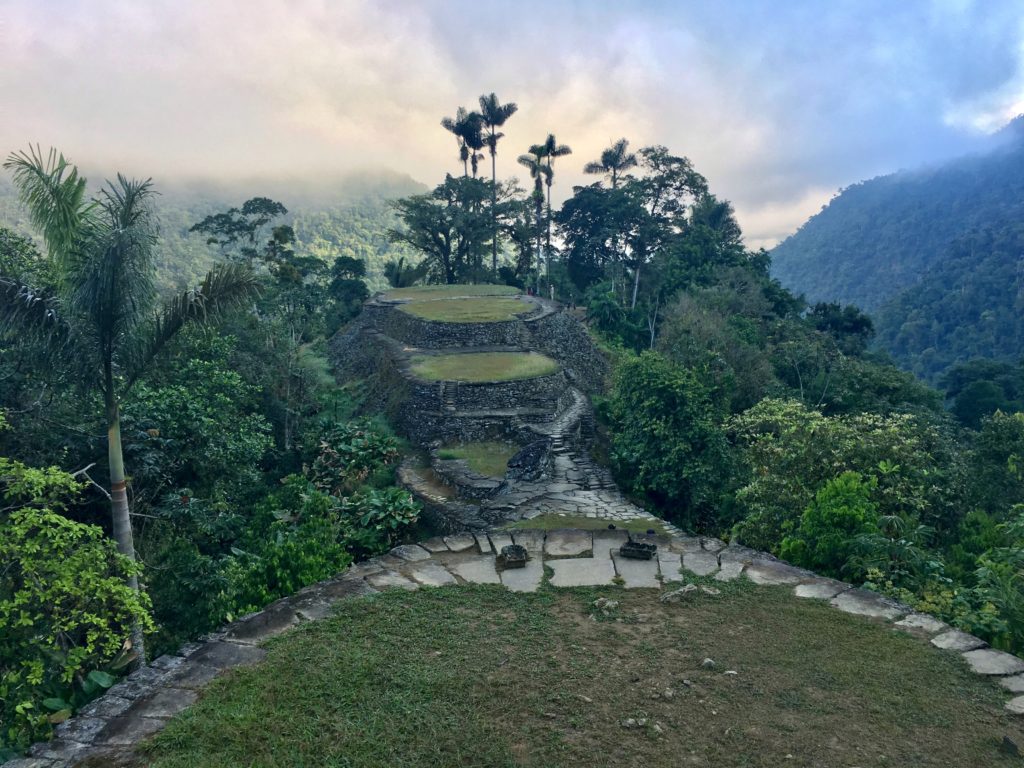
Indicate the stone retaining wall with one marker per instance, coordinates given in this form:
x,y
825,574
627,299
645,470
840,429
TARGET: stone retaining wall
x,y
415,331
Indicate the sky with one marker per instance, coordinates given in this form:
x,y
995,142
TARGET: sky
x,y
778,103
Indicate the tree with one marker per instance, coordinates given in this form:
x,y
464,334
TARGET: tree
x,y
104,320
467,128
493,115
538,172
549,150
614,162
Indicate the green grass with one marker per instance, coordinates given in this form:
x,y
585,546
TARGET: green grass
x,y
554,522
483,366
485,458
478,676
479,310
450,291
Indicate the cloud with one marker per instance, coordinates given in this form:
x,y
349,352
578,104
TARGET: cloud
x,y
776,103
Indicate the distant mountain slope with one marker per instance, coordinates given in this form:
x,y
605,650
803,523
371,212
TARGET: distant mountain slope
x,y
347,216
879,237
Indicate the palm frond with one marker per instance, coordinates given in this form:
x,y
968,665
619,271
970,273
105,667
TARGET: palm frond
x,y
31,315
224,287
54,193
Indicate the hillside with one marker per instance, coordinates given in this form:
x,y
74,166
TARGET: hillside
x,y
346,216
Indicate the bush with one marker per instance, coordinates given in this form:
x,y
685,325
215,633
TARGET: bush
x,y
348,454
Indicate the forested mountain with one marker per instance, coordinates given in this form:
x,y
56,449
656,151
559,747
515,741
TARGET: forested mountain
x,y
933,255
347,216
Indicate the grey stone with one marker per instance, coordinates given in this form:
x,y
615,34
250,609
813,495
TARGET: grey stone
x,y
924,622
257,627
478,570
700,563
226,655
365,568
636,574
460,543
670,563
483,544
686,544
436,544
107,706
163,703
499,540
568,543
986,661
608,540
61,750
410,552
677,595
526,579
773,572
712,545
129,729
1016,705
955,640
187,649
83,729
729,571
30,762
582,572
389,580
193,676
344,588
167,662
532,540
431,575
821,589
1014,684
737,554
863,602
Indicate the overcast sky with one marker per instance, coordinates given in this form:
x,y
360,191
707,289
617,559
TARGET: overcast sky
x,y
778,103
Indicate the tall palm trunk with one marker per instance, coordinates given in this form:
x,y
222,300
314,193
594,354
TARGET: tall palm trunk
x,y
539,197
636,285
121,518
547,242
494,210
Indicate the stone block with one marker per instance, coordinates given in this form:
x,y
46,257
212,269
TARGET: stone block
x,y
499,540
193,675
636,574
483,544
955,640
821,588
700,563
434,545
863,602
128,730
582,572
526,579
163,703
923,622
460,543
532,540
729,571
1014,684
986,661
478,570
431,575
221,655
669,564
410,552
257,627
774,572
390,580
568,543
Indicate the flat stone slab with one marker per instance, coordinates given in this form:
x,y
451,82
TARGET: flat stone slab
x,y
729,571
344,588
569,543
435,544
390,580
532,540
483,544
986,661
955,640
410,552
525,579
431,575
636,574
78,728
164,703
499,540
582,572
734,554
821,589
862,602
460,543
271,621
687,544
773,572
669,563
192,675
700,563
1014,684
712,545
924,622
127,730
1016,705
479,570
30,762
226,655
606,541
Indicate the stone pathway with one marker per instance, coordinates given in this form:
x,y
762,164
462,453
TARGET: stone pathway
x,y
142,703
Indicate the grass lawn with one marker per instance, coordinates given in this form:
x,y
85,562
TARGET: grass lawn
x,y
486,458
479,310
478,676
554,522
483,366
448,291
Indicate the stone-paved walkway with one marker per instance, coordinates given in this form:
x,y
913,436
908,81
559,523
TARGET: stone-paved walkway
x,y
143,703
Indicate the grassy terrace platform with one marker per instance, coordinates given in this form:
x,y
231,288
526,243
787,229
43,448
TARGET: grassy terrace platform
x,y
478,676
483,366
490,309
487,458
450,291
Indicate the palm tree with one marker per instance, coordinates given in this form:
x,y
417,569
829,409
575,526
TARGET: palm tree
x,y
549,150
104,321
467,128
494,114
614,162
538,172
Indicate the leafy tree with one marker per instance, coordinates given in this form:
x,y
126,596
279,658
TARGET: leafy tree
x,y
850,327
494,115
467,128
238,230
534,163
979,388
615,162
103,320
549,150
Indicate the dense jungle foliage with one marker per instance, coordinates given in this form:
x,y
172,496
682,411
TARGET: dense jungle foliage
x,y
934,255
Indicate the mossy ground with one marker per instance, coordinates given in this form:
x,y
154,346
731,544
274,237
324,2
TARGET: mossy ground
x,y
478,676
477,310
486,458
483,366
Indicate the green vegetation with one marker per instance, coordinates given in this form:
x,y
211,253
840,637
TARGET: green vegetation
x,y
531,680
480,310
483,366
486,458
450,291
